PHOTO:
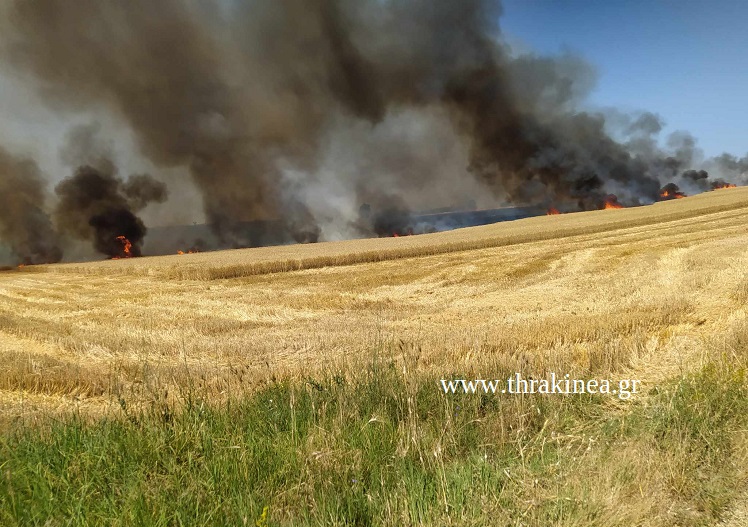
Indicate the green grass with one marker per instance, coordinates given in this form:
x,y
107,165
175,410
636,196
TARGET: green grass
x,y
384,448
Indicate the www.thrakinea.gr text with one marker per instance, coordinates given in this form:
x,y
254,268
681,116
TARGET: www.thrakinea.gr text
x,y
517,384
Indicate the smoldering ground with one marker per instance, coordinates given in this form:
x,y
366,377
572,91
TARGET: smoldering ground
x,y
302,111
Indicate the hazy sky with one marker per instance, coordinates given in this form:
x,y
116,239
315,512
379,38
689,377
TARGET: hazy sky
x,y
684,60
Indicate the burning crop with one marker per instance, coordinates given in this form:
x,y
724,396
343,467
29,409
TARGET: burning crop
x,y
126,248
670,191
97,205
611,202
386,112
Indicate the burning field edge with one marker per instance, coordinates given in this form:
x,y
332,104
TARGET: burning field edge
x,y
264,260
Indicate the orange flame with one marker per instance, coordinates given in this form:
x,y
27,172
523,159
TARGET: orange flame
x,y
612,204
552,211
724,185
666,194
126,248
189,251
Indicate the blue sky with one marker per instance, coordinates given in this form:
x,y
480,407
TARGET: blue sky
x,y
684,60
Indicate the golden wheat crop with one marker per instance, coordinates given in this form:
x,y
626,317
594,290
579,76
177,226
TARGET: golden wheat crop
x,y
632,291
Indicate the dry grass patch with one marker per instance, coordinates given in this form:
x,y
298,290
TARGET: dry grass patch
x,y
613,290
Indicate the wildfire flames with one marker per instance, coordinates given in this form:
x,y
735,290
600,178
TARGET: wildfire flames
x,y
188,251
670,191
611,202
671,195
404,104
408,232
126,248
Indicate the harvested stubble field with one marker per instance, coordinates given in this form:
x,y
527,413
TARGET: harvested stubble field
x,y
654,293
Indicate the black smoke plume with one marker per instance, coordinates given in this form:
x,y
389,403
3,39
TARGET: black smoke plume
x,y
671,191
391,220
264,102
698,178
24,224
142,189
94,204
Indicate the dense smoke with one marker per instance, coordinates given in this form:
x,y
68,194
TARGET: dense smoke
x,y
303,111
698,178
671,191
23,223
730,166
96,205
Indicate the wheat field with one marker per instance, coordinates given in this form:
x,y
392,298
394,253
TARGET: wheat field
x,y
637,288
654,293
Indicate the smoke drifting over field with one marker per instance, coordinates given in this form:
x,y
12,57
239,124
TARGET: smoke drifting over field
x,y
24,225
303,111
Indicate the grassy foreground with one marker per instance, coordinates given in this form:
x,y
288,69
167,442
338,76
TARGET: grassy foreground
x,y
387,447
200,391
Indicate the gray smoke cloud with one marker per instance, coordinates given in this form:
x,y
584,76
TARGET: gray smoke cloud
x,y
24,224
303,111
729,168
